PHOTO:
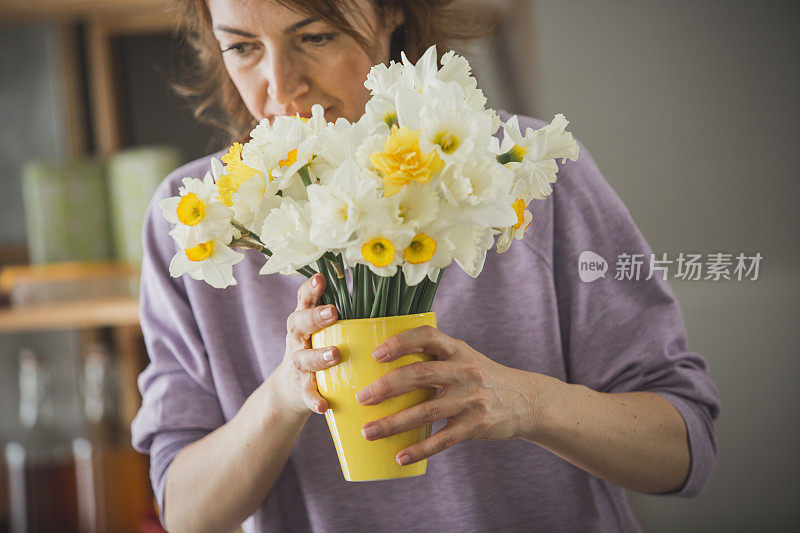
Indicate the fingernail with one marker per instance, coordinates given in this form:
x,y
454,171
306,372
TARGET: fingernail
x,y
403,459
314,281
326,313
327,355
369,431
380,354
363,395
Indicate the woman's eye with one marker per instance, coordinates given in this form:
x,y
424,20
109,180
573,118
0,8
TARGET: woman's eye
x,y
240,49
318,39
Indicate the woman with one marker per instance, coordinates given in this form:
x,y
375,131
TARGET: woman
x,y
556,394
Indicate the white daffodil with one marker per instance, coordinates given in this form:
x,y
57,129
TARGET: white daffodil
x,y
385,80
247,198
415,206
520,227
339,142
422,73
286,233
445,124
210,261
477,192
428,252
470,244
380,113
341,205
198,212
456,68
381,251
533,155
379,242
278,150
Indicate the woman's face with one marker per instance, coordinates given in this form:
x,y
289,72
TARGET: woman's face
x,y
283,62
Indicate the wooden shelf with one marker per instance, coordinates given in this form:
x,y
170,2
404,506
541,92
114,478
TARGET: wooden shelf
x,y
25,10
71,315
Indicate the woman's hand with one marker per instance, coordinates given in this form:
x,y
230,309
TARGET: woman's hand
x,y
298,384
480,399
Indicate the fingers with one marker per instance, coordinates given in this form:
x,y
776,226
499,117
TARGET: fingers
x,y
408,419
314,360
302,323
310,292
310,394
451,434
405,379
425,339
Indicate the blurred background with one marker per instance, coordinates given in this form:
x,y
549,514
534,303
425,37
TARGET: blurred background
x,y
689,108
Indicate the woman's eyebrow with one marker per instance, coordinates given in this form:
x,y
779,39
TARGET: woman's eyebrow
x,y
290,29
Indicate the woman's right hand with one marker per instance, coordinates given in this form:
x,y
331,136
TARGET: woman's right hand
x,y
298,383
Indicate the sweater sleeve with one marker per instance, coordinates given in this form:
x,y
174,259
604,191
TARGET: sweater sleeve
x,y
620,334
179,400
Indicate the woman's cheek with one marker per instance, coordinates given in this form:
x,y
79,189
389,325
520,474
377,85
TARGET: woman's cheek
x,y
347,84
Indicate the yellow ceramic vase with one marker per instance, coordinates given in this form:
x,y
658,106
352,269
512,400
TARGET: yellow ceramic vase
x,y
364,460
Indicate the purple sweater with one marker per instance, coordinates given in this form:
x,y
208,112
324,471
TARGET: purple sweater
x,y
210,349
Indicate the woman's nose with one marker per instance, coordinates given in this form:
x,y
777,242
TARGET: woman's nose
x,y
285,78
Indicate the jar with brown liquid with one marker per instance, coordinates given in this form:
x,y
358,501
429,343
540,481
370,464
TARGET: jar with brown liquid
x,y
42,486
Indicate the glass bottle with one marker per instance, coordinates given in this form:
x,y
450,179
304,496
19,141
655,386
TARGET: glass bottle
x,y
111,475
41,471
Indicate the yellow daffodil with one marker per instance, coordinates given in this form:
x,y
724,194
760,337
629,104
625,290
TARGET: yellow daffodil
x,y
402,161
236,174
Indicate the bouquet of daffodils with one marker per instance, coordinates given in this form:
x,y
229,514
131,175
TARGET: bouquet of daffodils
x,y
380,206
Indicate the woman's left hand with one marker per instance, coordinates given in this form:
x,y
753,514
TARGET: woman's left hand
x,y
480,399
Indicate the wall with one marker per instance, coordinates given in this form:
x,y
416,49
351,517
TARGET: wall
x,y
691,111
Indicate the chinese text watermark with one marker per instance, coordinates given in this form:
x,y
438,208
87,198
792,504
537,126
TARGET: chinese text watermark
x,y
686,266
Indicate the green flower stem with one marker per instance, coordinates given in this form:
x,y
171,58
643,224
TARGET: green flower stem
x,y
356,293
337,269
243,242
408,299
330,256
384,296
376,301
246,232
418,292
359,291
430,292
368,290
303,172
394,294
307,272
330,287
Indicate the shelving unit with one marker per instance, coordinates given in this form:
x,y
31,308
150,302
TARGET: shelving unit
x,y
110,312
92,97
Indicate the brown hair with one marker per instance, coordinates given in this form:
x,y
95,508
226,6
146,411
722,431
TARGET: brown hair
x,y
216,101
